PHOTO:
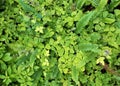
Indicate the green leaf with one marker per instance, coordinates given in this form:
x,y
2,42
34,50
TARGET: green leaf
x,y
49,33
3,65
75,74
95,3
89,47
33,57
113,43
100,60
38,15
1,55
108,20
113,4
117,12
26,18
117,77
101,5
60,50
100,8
98,82
22,59
26,7
39,29
9,70
2,76
37,74
118,40
105,14
7,57
81,64
84,21
8,81
80,3
95,37
117,24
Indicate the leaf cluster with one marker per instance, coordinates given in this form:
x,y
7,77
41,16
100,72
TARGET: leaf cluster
x,y
60,43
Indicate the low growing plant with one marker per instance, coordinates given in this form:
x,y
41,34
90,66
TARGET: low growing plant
x,y
60,43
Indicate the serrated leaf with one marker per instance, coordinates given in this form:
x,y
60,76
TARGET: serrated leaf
x,y
113,4
22,59
95,2
81,64
33,57
84,21
78,15
75,74
26,7
37,74
113,43
80,3
101,5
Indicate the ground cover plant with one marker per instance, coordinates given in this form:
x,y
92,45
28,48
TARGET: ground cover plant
x,y
59,42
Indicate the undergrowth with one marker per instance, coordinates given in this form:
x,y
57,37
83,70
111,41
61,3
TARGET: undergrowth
x,y
59,42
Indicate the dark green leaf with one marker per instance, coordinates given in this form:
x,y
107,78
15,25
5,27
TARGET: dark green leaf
x,y
84,21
